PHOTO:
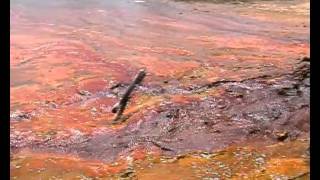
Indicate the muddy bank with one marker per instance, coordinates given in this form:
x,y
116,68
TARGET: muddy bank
x,y
254,161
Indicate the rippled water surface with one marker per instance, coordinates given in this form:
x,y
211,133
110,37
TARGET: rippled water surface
x,y
67,54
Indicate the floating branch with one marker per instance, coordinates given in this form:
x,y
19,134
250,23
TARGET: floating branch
x,y
121,105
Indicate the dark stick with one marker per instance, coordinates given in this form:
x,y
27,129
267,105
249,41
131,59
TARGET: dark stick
x,y
119,107
161,147
299,176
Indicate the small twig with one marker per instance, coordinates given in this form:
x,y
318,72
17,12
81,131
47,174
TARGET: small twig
x,y
299,176
119,107
161,146
115,86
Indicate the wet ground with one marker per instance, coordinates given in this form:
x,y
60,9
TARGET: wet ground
x,y
226,94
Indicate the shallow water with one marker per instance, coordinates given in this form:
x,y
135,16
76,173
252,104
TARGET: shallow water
x,y
65,56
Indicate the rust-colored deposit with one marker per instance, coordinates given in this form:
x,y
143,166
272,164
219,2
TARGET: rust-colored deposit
x,y
226,95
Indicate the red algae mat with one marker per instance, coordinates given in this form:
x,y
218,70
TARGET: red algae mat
x,y
226,94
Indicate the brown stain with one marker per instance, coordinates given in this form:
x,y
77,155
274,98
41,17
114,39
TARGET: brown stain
x,y
241,160
292,166
180,99
44,165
